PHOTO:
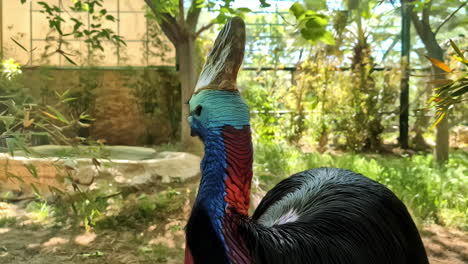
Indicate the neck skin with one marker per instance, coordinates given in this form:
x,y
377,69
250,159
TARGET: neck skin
x,y
224,194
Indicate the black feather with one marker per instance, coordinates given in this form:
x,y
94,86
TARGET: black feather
x,y
348,219
205,245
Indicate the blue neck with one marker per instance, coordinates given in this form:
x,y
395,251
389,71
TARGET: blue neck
x,y
212,186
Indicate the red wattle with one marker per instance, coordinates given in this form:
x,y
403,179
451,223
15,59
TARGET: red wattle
x,y
239,151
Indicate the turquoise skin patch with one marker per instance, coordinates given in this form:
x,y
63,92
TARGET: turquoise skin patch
x,y
219,108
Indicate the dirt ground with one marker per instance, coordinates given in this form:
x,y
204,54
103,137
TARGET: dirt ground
x,y
29,243
445,245
48,247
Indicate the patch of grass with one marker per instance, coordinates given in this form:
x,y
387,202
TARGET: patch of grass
x,y
84,208
145,208
159,205
41,211
8,221
161,253
431,193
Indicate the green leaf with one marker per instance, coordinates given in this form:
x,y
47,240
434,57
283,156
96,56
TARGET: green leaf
x,y
110,18
263,3
86,7
297,9
11,143
69,99
32,169
11,175
58,114
68,59
65,93
53,189
44,5
457,50
316,21
224,10
36,190
244,9
221,18
328,38
441,116
77,25
313,34
460,91
17,43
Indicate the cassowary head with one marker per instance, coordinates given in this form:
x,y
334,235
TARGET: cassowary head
x,y
216,101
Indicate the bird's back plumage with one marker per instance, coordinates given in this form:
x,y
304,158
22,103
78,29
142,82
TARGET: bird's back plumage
x,y
330,215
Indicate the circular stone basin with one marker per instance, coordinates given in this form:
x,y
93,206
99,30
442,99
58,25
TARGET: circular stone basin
x,y
93,167
106,152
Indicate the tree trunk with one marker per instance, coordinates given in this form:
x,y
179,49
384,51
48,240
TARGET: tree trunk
x,y
441,151
434,50
404,81
188,76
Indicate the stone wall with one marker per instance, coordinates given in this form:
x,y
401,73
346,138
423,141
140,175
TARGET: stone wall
x,y
130,106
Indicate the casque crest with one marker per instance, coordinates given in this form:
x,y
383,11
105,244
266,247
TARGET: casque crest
x,y
225,58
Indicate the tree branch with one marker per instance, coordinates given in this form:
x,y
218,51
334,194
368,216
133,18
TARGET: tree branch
x,y
168,24
449,17
181,12
417,23
425,33
192,16
425,12
203,29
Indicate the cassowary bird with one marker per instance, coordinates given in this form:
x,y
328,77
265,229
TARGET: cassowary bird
x,y
324,215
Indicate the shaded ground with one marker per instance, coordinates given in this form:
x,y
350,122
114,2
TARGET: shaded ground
x,y
445,245
23,239
162,242
46,246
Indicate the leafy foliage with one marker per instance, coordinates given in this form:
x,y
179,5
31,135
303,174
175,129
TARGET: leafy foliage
x,y
24,123
322,105
312,25
59,16
453,91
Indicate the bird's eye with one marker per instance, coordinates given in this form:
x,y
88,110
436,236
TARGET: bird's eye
x,y
198,110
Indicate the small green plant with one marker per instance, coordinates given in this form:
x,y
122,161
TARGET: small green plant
x,y
41,211
160,205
